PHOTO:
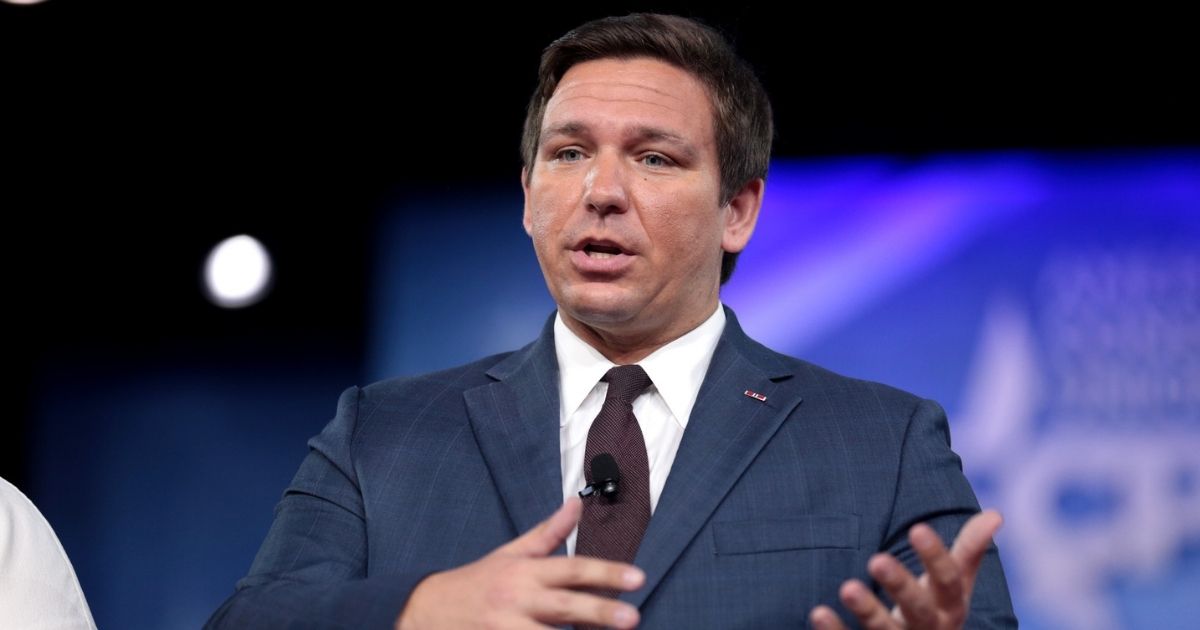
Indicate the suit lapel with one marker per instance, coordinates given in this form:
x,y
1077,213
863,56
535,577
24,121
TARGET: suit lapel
x,y
515,421
726,431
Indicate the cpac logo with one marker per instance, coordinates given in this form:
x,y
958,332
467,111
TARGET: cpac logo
x,y
1081,421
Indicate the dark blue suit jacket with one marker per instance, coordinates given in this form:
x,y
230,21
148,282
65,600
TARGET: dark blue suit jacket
x,y
769,506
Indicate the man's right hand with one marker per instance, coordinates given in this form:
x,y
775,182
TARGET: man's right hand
x,y
519,585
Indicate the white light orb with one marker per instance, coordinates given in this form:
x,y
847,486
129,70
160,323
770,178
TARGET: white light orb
x,y
237,272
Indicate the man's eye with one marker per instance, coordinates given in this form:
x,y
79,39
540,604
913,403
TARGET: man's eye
x,y
656,160
569,155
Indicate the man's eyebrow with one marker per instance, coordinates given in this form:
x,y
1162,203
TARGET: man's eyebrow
x,y
641,133
655,133
562,129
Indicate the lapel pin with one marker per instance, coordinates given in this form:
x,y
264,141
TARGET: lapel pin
x,y
756,396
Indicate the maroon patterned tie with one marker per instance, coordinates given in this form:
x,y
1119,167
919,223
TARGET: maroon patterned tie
x,y
612,527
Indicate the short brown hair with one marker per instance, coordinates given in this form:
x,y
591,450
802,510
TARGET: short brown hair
x,y
741,109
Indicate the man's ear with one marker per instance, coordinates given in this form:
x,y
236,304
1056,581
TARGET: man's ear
x,y
527,217
741,214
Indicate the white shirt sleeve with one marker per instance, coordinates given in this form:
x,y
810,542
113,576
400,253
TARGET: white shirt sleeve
x,y
38,587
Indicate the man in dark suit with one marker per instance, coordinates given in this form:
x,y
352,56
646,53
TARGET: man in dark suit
x,y
742,487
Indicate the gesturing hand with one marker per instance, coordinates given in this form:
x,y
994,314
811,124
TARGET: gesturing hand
x,y
519,586
938,600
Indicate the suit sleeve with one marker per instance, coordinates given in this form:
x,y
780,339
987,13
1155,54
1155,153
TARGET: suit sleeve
x,y
311,570
931,488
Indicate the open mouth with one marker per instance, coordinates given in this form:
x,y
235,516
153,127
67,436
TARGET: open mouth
x,y
601,251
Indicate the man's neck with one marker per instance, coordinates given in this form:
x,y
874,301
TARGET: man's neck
x,y
623,346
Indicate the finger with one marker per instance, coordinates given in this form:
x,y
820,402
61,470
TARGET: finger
x,y
823,618
915,602
518,622
582,571
561,606
546,536
944,577
974,540
871,612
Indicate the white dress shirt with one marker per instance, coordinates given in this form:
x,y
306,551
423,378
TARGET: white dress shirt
x,y
676,369
38,588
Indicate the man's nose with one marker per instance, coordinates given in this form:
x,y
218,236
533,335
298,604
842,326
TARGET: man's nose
x,y
606,191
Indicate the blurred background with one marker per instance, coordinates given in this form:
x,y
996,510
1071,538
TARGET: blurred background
x,y
1000,212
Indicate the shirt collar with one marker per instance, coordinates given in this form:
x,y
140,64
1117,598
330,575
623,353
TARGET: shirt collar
x,y
677,369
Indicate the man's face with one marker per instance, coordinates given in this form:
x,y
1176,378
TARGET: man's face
x,y
623,206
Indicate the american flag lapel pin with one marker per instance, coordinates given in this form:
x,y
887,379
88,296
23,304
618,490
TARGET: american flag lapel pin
x,y
756,396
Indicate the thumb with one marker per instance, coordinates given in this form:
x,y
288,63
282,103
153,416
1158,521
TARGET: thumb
x,y
974,540
546,536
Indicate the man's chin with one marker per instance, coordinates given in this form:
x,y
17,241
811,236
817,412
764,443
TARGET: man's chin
x,y
600,309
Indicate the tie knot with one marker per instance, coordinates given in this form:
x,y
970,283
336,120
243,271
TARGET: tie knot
x,y
626,382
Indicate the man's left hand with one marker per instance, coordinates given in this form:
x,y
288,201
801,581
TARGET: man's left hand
x,y
939,600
